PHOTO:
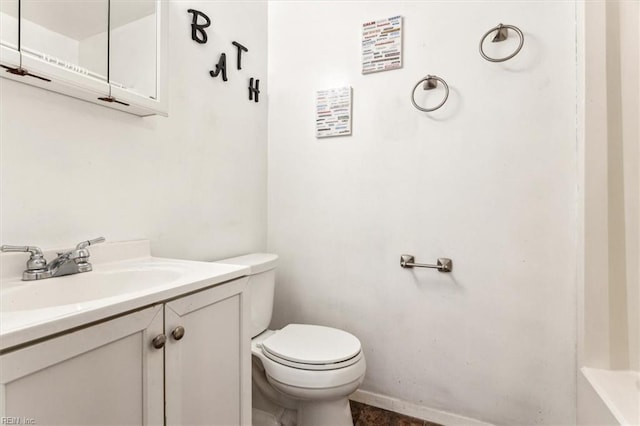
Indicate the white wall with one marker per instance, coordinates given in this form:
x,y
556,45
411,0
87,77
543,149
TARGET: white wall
x,y
628,110
193,183
609,335
593,297
609,290
490,181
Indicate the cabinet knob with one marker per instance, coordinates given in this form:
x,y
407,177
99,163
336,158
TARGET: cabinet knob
x,y
178,332
159,341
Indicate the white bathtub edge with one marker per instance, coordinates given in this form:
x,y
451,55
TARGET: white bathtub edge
x,y
618,390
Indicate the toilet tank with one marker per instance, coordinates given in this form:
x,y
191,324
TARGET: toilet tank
x,y
261,287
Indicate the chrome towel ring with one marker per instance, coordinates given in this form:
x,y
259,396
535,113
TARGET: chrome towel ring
x,y
502,33
430,82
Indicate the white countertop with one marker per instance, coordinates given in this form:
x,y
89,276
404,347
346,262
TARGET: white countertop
x,y
27,313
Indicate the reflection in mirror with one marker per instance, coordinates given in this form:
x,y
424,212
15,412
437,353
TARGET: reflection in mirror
x,y
9,23
133,46
68,33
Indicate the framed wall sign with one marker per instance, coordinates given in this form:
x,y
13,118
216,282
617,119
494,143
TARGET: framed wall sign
x,y
382,45
333,112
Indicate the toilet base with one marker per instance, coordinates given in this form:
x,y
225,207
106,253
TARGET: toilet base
x,y
262,418
325,413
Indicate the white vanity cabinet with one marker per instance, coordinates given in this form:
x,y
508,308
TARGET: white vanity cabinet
x,y
208,373
104,374
117,372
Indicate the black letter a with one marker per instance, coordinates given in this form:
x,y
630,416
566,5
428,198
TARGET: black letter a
x,y
220,66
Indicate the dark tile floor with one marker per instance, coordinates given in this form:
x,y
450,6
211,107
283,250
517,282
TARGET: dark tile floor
x,y
366,415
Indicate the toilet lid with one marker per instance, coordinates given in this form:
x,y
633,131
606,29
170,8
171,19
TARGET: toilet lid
x,y
312,344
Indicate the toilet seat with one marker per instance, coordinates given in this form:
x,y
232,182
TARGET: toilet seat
x,y
283,373
312,347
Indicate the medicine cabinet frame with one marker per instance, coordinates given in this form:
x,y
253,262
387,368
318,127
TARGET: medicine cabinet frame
x,y
9,49
22,66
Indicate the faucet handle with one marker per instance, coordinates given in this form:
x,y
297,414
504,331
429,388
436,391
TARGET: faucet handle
x,y
87,243
81,254
35,262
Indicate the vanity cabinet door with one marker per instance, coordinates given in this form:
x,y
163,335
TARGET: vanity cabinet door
x,y
208,358
106,374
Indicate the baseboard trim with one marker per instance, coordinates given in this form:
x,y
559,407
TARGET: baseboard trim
x,y
414,410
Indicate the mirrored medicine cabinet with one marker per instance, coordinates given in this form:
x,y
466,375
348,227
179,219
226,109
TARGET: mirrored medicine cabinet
x,y
110,52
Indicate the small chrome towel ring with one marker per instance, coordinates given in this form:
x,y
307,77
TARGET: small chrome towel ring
x,y
430,82
501,35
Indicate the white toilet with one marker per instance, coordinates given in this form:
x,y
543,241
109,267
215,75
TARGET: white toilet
x,y
303,372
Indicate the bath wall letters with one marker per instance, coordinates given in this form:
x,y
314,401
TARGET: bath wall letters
x,y
199,35
241,48
220,66
254,90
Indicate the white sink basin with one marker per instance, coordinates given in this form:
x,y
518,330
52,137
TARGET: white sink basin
x,y
125,277
83,288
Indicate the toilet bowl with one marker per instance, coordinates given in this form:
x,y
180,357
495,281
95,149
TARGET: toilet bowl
x,y
310,369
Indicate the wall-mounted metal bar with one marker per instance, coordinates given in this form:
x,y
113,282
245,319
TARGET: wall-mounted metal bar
x,y
443,265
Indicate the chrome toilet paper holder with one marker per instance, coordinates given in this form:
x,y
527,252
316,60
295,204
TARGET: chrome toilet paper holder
x,y
443,264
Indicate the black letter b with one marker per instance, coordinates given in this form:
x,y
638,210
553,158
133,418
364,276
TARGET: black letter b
x,y
198,33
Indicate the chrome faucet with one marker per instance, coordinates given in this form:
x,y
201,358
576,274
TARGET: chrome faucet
x,y
67,262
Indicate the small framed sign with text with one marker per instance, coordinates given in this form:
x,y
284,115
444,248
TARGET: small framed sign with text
x,y
382,45
333,112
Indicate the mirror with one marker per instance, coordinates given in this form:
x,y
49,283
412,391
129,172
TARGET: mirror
x,y
9,24
109,52
68,33
133,47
